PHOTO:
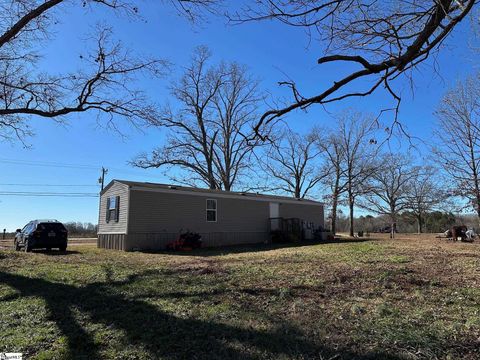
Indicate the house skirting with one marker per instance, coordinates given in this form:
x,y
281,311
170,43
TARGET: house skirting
x,y
112,241
159,241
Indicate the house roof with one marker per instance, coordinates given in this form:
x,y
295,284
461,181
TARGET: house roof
x,y
233,194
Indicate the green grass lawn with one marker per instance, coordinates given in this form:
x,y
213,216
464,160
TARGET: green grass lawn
x,y
412,298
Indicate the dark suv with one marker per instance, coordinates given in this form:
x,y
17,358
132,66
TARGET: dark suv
x,y
46,234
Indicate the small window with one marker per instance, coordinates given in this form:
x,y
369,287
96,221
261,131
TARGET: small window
x,y
211,210
113,208
112,203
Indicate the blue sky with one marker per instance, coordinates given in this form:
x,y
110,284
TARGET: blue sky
x,y
269,49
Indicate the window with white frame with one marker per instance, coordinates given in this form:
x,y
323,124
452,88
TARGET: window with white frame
x,y
211,210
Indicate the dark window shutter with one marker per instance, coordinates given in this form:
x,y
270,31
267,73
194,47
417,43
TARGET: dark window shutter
x,y
107,216
117,208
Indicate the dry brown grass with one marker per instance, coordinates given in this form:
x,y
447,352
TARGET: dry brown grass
x,y
415,297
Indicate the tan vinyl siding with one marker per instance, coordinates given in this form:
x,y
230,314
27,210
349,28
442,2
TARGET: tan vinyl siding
x,y
157,218
114,227
152,216
153,212
309,213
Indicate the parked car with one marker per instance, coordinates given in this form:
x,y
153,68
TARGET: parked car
x,y
38,234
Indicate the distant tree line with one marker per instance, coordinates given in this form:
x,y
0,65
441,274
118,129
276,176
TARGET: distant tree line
x,y
83,229
75,228
435,222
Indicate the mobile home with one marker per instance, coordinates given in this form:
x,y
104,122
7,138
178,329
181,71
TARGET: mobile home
x,y
147,216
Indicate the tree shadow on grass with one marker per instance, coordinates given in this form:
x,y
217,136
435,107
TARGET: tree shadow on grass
x,y
348,240
161,334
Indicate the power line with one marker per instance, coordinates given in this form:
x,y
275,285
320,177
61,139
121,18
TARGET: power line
x,y
47,193
114,171
59,194
70,165
54,185
47,164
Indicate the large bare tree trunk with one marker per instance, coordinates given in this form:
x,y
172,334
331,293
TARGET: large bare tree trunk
x,y
419,224
298,192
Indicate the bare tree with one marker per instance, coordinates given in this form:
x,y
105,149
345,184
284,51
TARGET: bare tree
x,y
349,151
386,39
291,163
235,108
106,85
458,139
424,194
195,10
388,188
332,151
210,130
359,149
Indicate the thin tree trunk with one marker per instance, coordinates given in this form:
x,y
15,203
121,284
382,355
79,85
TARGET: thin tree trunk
x,y
350,205
298,195
336,195
334,214
213,185
227,186
211,179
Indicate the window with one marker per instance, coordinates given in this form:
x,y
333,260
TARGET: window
x,y
211,210
25,228
28,228
112,203
113,208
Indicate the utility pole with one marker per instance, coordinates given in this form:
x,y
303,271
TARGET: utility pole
x,y
101,179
